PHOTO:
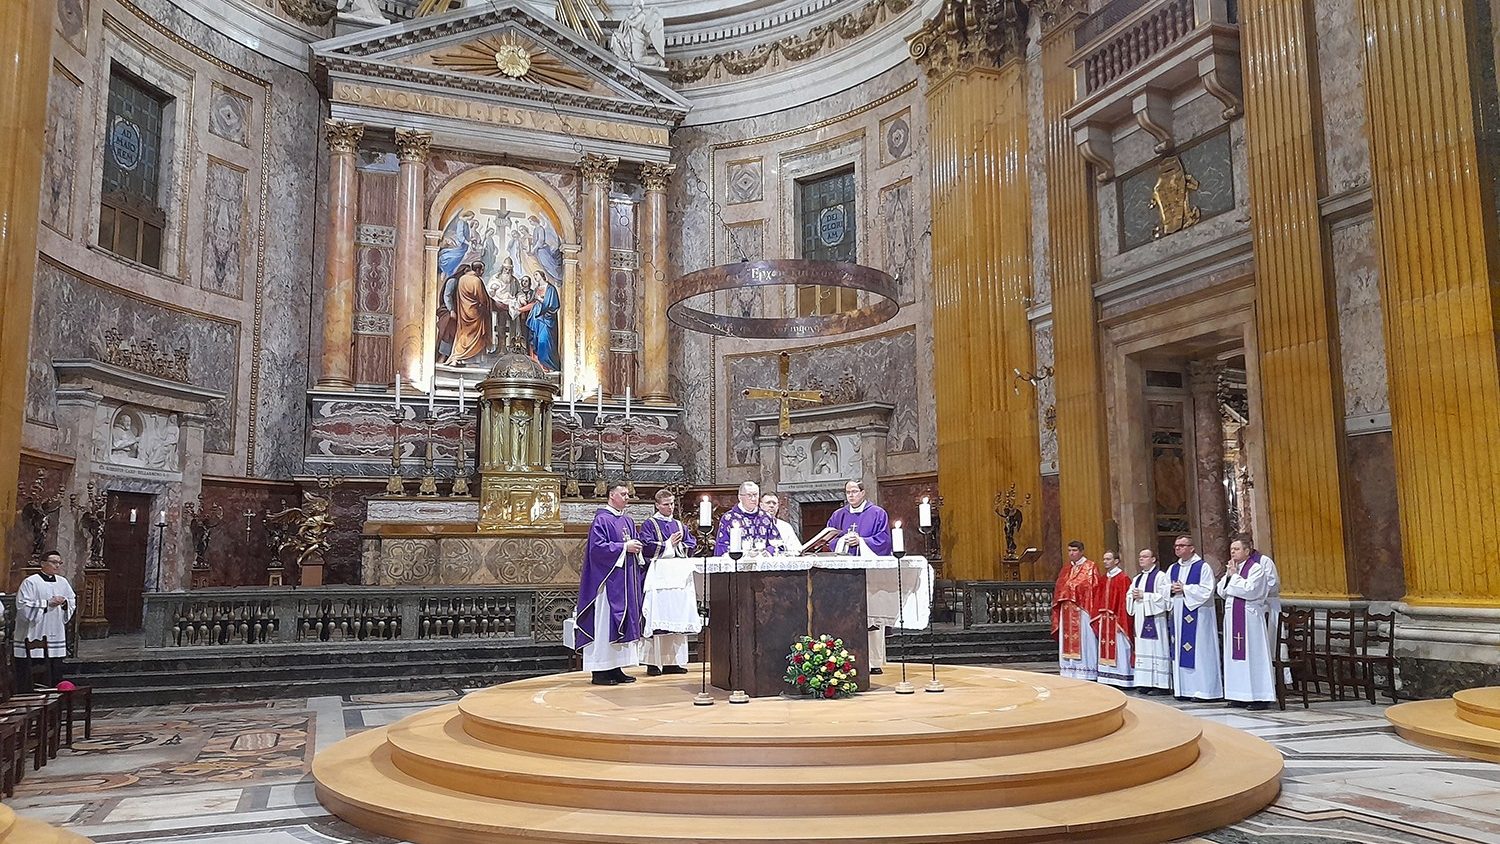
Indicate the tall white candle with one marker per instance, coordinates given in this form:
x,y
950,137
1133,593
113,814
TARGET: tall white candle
x,y
431,394
460,397
736,538
573,404
898,539
627,402
924,514
705,513
132,515
599,403
398,392
161,518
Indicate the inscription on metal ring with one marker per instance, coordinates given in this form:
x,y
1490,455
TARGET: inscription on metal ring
x,y
777,273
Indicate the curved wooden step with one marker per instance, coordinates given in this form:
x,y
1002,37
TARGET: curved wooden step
x,y
15,829
358,782
1441,725
1001,712
1153,742
1480,707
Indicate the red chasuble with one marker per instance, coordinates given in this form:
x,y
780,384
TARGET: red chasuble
x,y
1078,588
1112,617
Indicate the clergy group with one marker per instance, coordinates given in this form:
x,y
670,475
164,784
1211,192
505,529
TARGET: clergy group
x,y
1159,631
637,599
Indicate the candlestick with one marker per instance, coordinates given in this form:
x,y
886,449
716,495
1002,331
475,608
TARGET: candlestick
x,y
460,397
924,514
705,512
427,487
898,539
394,484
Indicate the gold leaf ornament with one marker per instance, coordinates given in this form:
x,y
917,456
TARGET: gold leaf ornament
x,y
513,57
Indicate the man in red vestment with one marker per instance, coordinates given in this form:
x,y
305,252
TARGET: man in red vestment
x,y
1075,602
1114,627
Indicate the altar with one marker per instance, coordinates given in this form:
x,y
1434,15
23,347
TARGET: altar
x,y
760,605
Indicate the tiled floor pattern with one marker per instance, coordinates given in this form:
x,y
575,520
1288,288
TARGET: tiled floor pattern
x,y
237,774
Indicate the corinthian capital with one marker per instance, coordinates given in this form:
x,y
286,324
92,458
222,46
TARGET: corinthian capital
x,y
970,33
1057,13
343,137
597,169
654,176
413,145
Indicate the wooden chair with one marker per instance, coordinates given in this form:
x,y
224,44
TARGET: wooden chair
x,y
1375,635
1338,643
12,756
1293,656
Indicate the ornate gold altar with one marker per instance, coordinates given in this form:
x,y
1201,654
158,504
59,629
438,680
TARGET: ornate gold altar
x,y
518,491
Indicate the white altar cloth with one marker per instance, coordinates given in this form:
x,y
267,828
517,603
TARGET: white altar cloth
x,y
882,606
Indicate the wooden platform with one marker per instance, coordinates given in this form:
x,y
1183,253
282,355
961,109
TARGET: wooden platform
x,y
1001,756
18,830
1467,724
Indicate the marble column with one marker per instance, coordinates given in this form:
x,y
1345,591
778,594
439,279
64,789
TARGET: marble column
x,y
654,386
1301,399
1208,455
337,370
25,64
597,171
412,148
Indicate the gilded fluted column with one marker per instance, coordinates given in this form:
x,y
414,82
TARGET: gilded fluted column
x,y
1435,220
594,268
1301,396
412,148
981,268
653,277
1212,524
1082,461
337,370
25,63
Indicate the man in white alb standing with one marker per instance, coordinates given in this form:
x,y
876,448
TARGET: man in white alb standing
x,y
1248,679
1195,626
44,605
1150,605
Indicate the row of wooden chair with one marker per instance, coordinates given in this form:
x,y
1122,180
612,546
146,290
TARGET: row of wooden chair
x,y
1352,649
36,724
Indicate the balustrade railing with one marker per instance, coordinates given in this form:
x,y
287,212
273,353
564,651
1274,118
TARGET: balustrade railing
x,y
267,616
1116,55
1008,602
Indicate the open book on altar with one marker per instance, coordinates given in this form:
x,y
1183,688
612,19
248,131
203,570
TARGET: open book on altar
x,y
821,539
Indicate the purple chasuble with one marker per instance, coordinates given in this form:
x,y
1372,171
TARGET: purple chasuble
x,y
622,586
871,523
1148,624
753,525
655,532
1186,656
1237,613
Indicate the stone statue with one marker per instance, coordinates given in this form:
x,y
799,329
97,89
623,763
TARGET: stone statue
x,y
641,38
361,11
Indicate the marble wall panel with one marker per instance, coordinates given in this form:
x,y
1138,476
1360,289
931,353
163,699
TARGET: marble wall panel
x,y
224,232
377,197
1341,66
1050,512
61,153
898,234
1374,517
744,181
1036,139
1356,276
229,115
73,21
883,365
896,137
70,315
237,557
1046,395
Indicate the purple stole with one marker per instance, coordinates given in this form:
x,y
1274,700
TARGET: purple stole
x,y
1148,624
1186,656
1237,614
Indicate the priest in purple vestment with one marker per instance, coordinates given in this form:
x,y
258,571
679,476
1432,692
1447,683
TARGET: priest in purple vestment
x,y
609,621
864,531
756,528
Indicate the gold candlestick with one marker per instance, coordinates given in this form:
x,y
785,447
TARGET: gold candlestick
x,y
395,485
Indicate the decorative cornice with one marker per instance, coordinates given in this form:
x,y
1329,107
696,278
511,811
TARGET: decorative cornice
x,y
413,145
1053,14
310,12
343,136
970,33
654,176
790,49
597,169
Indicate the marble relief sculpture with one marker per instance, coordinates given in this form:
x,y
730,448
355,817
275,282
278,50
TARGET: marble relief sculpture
x,y
136,437
361,11
641,38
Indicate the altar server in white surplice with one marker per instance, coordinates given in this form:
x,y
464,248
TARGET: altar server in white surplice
x,y
1195,626
671,600
1248,679
1150,606
44,606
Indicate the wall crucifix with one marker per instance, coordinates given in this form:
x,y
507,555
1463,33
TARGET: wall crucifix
x,y
785,396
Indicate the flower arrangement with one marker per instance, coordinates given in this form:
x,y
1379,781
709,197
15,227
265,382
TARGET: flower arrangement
x,y
822,667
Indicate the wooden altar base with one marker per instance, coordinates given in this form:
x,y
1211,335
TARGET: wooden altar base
x,y
1467,724
15,829
1001,756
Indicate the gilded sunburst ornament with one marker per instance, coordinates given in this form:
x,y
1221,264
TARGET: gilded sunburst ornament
x,y
513,57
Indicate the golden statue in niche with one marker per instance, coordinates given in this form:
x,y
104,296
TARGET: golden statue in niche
x,y
1172,198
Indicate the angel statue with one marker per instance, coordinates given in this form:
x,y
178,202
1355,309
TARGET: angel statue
x,y
305,529
641,38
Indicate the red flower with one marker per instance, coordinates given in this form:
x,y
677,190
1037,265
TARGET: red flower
x,y
830,692
801,681
830,665
848,666
801,659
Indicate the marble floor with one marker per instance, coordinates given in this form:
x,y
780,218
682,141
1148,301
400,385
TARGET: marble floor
x,y
237,774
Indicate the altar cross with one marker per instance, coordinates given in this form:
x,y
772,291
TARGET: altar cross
x,y
785,396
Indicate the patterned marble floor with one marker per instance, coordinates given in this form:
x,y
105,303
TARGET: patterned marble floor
x,y
237,774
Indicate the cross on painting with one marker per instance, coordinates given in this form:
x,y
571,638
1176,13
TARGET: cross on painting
x,y
785,396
